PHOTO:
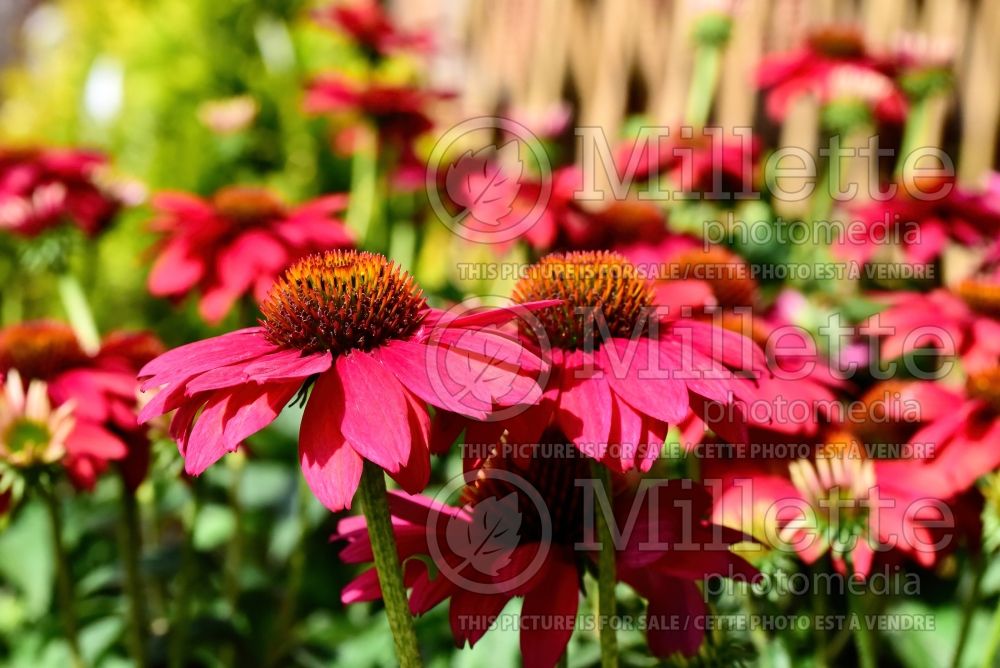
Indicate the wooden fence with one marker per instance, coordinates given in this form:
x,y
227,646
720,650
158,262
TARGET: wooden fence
x,y
532,55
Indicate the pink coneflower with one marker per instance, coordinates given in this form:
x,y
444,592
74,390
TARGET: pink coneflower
x,y
715,166
964,429
961,324
399,112
236,243
620,373
535,501
102,386
40,188
833,64
922,223
717,286
692,279
371,28
356,329
543,212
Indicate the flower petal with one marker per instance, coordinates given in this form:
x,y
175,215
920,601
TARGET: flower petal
x,y
330,465
375,413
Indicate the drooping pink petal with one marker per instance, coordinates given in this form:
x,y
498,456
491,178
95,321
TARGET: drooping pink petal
x,y
177,269
409,362
585,409
639,376
330,465
230,417
92,440
416,471
375,417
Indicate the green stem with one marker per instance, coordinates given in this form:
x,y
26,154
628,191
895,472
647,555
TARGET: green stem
x,y
185,588
390,571
78,311
913,133
863,638
969,609
64,579
606,577
283,633
990,651
704,81
820,610
130,539
364,187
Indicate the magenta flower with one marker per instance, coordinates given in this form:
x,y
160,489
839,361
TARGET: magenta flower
x,y
963,427
40,188
357,330
834,63
102,388
504,207
399,112
954,324
371,28
717,166
533,497
621,374
236,243
921,227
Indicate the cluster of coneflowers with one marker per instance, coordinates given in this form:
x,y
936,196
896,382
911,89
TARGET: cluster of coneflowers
x,y
560,402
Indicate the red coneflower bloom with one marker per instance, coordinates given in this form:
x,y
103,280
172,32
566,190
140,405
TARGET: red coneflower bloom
x,y
964,430
921,226
962,324
101,386
371,28
621,374
715,166
40,188
398,111
236,243
538,509
357,329
833,62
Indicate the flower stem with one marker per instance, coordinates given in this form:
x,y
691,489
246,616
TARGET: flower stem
x,y
64,579
78,311
179,625
990,651
284,633
863,638
913,133
969,609
704,80
390,573
130,539
605,574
